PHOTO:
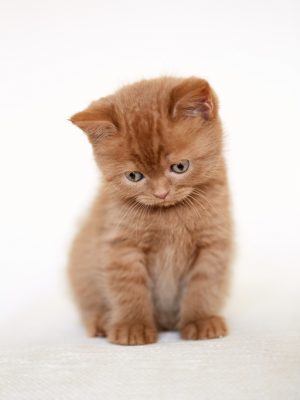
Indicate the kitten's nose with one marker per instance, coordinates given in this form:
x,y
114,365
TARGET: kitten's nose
x,y
162,194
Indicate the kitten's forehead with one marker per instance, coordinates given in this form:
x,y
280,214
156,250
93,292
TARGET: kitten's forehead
x,y
149,134
152,147
143,109
146,141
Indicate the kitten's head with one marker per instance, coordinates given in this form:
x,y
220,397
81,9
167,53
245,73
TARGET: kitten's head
x,y
156,141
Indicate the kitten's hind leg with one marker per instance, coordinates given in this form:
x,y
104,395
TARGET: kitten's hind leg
x,y
94,322
84,272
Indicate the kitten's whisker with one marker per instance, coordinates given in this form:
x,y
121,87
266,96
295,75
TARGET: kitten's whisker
x,y
219,226
134,213
203,195
129,208
193,207
191,197
139,216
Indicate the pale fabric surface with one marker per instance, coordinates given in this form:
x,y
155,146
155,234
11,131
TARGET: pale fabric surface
x,y
248,367
45,355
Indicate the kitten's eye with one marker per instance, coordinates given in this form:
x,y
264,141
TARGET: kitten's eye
x,y
134,176
181,167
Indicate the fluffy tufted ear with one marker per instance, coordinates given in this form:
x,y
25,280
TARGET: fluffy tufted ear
x,y
97,121
193,98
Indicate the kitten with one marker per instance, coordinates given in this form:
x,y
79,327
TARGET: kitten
x,y
154,253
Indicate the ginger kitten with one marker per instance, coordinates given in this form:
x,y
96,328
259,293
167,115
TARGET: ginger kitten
x,y
154,253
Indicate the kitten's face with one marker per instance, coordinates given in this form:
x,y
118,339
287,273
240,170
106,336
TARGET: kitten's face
x,y
165,185
160,176
160,143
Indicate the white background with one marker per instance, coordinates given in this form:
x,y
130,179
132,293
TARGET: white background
x,y
57,56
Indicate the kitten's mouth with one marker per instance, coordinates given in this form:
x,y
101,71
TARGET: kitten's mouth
x,y
167,203
163,202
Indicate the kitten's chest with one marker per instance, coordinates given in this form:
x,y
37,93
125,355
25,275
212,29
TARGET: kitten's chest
x,y
168,262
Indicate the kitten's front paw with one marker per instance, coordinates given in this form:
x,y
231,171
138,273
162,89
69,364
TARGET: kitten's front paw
x,y
132,334
208,328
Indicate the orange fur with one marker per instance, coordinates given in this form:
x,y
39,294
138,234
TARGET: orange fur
x,y
155,254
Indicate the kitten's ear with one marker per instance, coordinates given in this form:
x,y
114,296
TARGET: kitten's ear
x,y
97,122
193,98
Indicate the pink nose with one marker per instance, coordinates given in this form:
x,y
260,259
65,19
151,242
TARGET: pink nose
x,y
161,195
